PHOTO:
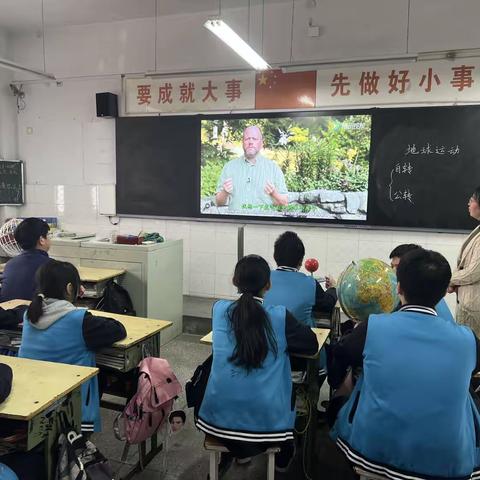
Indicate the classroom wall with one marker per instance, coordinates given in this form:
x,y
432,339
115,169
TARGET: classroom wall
x,y
8,125
69,153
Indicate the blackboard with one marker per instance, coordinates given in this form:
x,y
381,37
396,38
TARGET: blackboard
x,y
157,171
11,182
425,164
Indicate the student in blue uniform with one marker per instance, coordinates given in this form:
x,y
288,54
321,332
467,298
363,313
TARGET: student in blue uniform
x,y
249,403
19,274
395,256
55,330
301,294
411,414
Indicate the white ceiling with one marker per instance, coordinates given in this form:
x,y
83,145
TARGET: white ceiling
x,y
21,15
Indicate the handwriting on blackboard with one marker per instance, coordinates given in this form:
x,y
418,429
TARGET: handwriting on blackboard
x,y
11,182
403,194
428,149
399,188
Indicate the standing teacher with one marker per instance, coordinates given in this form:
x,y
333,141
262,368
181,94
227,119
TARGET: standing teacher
x,y
466,278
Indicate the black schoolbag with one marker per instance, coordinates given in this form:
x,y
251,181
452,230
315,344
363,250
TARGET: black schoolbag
x,y
196,386
79,458
115,300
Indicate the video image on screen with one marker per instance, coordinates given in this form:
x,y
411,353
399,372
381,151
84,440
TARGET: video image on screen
x,y
308,166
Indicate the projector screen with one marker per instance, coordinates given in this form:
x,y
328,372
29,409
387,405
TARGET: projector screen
x,y
304,166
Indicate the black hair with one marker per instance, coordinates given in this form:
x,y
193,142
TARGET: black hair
x,y
28,233
402,249
177,413
424,276
250,323
476,195
52,279
289,250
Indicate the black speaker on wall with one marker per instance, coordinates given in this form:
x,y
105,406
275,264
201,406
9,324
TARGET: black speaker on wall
x,y
107,104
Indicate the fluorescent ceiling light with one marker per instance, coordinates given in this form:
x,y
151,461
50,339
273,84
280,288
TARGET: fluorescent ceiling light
x,y
236,43
20,68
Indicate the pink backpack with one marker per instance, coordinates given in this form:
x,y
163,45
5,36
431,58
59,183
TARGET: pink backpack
x,y
149,408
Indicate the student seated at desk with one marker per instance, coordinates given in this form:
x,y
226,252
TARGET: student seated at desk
x,y
301,294
396,255
248,403
55,330
19,274
411,414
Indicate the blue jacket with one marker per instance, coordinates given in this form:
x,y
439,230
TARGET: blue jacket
x,y
294,290
443,310
255,406
6,473
19,275
63,342
411,414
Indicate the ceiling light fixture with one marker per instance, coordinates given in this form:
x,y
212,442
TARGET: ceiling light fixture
x,y
218,27
8,64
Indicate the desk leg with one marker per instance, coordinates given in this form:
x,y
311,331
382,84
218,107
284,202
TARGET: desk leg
x,y
311,433
144,458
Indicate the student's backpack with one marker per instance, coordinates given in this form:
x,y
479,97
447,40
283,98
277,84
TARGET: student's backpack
x,y
196,386
150,407
80,459
116,299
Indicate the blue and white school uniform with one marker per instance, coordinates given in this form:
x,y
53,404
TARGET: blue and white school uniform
x,y
411,415
255,406
295,290
58,337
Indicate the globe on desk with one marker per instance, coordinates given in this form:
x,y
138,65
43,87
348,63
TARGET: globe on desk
x,y
367,286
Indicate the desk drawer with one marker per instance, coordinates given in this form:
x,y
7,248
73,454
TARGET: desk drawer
x,y
126,359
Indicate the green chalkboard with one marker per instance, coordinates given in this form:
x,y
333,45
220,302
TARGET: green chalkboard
x,y
11,182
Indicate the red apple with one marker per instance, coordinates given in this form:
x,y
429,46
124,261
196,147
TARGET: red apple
x,y
311,264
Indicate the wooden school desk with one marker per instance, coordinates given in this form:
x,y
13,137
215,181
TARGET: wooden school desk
x,y
117,364
320,333
95,279
91,274
40,391
143,335
94,274
312,393
120,361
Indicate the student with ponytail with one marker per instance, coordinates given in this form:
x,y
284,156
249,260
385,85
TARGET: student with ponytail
x,y
55,330
248,403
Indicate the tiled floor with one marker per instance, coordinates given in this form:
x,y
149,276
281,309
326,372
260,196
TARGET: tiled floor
x,y
185,457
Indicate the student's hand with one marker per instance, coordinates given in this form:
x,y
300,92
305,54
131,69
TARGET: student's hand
x,y
330,282
269,188
81,291
228,185
452,289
